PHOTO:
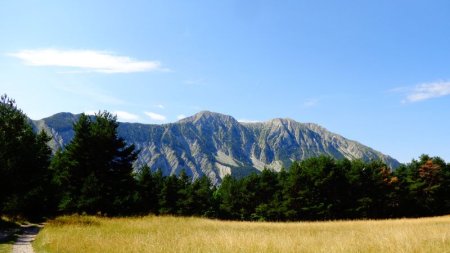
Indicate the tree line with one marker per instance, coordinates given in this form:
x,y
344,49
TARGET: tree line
x,y
94,174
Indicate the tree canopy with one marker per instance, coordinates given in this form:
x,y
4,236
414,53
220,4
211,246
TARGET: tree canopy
x,y
24,160
95,169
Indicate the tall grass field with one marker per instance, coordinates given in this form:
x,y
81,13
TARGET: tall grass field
x,y
176,234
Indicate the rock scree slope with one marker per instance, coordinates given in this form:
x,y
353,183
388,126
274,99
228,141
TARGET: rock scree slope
x,y
216,145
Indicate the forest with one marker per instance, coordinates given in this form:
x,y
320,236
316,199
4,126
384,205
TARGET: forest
x,y
94,174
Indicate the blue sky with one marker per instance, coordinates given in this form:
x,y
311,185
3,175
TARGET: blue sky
x,y
373,71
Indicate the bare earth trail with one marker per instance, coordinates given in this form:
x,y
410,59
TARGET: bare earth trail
x,y
23,242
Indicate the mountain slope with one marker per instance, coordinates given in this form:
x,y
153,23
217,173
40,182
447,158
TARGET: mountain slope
x,y
215,145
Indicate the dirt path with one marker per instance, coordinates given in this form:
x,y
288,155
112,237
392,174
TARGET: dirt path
x,y
23,242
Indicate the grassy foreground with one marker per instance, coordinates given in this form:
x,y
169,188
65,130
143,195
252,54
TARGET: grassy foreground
x,y
6,247
175,234
8,229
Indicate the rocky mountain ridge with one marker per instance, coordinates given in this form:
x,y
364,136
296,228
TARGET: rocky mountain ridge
x,y
216,145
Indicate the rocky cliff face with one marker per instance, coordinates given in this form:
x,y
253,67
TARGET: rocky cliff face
x,y
216,145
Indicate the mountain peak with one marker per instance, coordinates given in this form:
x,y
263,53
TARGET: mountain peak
x,y
282,120
62,115
208,116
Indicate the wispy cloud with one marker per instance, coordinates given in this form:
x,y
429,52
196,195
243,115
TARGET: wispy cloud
x,y
90,112
181,116
126,116
248,121
427,91
160,106
121,115
87,60
155,116
199,81
311,102
92,93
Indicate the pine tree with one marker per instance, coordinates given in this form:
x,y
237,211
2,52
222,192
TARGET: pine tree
x,y
95,169
24,160
169,195
149,188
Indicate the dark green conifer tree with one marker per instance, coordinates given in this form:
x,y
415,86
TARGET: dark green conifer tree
x,y
95,169
24,160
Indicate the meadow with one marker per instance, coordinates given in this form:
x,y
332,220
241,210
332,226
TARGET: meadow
x,y
178,234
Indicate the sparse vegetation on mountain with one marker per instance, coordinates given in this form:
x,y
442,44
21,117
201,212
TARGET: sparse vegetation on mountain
x,y
216,145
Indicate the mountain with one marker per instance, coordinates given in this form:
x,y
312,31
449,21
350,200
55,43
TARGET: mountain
x,y
215,144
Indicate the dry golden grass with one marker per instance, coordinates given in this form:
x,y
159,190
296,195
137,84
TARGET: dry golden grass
x,y
174,234
5,248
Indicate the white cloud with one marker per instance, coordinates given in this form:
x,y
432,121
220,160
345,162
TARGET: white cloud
x,y
88,60
181,116
311,102
92,93
427,91
160,106
199,81
90,112
121,115
126,116
248,121
155,116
